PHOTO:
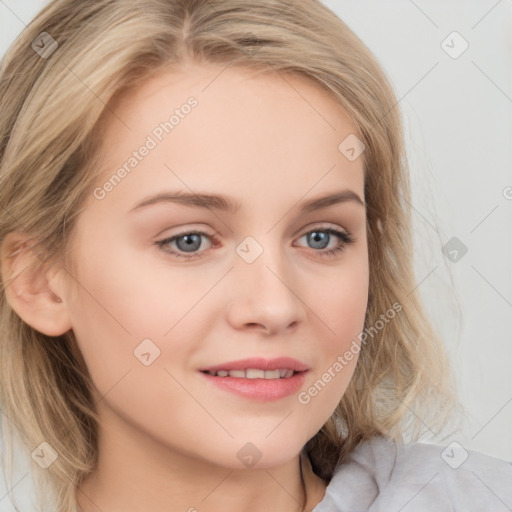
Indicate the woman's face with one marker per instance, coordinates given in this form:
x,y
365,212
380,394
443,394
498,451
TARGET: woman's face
x,y
170,286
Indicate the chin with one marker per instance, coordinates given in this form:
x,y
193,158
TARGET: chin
x,y
260,453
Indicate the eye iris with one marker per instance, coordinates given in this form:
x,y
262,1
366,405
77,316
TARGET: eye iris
x,y
192,242
319,237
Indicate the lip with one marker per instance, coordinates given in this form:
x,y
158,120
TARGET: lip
x,y
262,390
259,363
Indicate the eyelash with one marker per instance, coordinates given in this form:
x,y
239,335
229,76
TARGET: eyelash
x,y
345,237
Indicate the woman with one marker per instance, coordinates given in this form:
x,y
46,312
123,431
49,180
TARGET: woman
x,y
208,294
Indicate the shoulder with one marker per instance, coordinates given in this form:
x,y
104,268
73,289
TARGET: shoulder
x,y
381,475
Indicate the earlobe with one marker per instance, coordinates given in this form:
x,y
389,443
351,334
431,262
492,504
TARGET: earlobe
x,y
30,287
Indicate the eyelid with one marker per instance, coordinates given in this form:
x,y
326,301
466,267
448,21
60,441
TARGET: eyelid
x,y
319,226
325,227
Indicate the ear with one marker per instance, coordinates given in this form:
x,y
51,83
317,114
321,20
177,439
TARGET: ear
x,y
31,288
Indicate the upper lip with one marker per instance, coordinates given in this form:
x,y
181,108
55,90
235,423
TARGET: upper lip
x,y
259,363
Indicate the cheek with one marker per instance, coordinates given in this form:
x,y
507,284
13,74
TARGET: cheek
x,y
342,309
122,302
341,304
136,332
127,296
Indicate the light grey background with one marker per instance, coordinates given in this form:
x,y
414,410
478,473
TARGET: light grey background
x,y
458,123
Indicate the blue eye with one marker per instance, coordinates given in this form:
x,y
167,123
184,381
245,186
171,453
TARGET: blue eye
x,y
321,237
187,244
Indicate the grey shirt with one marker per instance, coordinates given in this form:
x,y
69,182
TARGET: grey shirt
x,y
382,476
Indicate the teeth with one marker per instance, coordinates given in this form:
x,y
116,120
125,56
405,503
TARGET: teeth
x,y
253,373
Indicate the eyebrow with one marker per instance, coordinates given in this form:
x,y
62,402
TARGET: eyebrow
x,y
222,203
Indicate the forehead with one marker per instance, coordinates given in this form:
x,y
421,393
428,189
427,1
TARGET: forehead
x,y
212,126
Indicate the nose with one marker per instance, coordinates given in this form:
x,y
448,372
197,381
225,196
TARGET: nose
x,y
265,295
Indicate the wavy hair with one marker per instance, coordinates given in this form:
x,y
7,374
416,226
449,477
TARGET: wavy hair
x,y
50,126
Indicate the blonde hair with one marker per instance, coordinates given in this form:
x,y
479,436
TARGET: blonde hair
x,y
52,110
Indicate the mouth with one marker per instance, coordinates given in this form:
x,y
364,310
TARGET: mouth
x,y
258,378
254,373
258,368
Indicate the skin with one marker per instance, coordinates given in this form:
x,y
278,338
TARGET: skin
x,y
168,438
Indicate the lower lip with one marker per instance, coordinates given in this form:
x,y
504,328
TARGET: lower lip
x,y
260,389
